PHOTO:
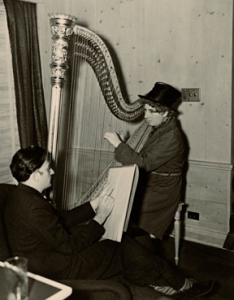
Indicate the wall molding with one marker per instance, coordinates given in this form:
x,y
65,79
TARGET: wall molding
x,y
33,1
211,165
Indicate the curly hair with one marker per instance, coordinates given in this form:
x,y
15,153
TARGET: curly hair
x,y
158,107
26,161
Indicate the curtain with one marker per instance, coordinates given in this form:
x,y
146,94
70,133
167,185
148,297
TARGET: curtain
x,y
30,106
9,135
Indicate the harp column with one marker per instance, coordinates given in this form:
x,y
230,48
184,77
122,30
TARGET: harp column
x,y
61,29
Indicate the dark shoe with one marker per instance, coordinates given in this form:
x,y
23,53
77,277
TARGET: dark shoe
x,y
199,289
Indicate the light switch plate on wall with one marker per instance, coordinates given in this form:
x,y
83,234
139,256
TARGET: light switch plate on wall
x,y
190,95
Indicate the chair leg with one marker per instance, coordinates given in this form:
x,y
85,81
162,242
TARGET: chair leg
x,y
177,231
177,236
177,223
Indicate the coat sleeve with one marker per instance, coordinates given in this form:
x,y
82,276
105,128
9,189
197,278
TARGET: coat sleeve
x,y
157,154
47,227
79,214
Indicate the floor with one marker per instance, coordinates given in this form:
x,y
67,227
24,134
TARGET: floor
x,y
203,262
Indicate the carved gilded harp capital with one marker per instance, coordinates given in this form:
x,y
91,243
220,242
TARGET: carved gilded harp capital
x,y
61,29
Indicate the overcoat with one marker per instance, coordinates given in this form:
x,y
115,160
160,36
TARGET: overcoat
x,y
160,162
66,244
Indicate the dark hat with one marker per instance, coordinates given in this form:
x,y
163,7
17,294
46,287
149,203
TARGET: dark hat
x,y
163,94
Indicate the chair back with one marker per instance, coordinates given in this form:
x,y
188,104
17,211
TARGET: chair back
x,y
4,247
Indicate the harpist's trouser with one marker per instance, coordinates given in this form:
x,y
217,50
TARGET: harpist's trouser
x,y
142,266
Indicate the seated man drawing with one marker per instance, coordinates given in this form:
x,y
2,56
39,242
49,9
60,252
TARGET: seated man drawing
x,y
160,161
66,245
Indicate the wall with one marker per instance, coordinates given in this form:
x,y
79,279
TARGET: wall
x,y
185,43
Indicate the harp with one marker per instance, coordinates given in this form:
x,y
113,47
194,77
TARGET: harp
x,y
81,163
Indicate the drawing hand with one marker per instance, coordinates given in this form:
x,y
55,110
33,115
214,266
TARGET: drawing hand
x,y
104,209
107,190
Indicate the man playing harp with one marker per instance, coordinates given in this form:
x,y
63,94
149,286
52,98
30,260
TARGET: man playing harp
x,y
160,162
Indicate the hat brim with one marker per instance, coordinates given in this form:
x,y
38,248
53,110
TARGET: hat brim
x,y
147,98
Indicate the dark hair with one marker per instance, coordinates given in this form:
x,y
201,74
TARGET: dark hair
x,y
26,161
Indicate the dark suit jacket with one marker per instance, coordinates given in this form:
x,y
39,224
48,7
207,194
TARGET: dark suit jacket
x,y
157,196
57,245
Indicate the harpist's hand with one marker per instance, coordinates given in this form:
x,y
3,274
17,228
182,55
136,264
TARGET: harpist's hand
x,y
113,138
104,209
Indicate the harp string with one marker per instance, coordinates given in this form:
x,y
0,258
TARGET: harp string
x,y
69,175
98,138
86,99
66,152
80,161
75,112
